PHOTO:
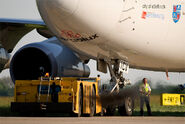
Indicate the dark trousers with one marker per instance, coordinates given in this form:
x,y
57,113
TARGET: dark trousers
x,y
145,99
54,97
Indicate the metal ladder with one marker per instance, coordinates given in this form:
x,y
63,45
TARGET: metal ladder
x,y
42,105
47,99
40,89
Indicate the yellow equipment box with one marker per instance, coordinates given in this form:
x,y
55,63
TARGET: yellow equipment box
x,y
172,99
73,95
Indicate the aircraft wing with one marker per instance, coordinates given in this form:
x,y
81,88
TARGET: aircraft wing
x,y
21,21
12,30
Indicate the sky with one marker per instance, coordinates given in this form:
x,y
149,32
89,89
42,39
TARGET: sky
x,y
27,9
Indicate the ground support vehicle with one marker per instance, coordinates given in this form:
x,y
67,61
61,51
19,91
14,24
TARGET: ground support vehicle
x,y
76,96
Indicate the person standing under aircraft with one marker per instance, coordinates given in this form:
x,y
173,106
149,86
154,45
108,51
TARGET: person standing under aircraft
x,y
54,93
145,92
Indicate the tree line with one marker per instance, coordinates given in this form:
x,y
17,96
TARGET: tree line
x,y
6,87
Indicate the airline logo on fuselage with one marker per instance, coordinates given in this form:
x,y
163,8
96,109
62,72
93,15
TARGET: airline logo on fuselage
x,y
77,37
176,13
153,15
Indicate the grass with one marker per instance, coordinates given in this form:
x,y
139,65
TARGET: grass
x,y
5,103
157,109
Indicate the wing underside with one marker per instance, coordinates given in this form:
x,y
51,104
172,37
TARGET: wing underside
x,y
12,30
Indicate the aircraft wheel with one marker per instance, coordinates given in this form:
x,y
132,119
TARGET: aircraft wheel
x,y
80,102
128,107
93,103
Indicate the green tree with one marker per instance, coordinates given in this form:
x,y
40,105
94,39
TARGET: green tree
x,y
6,87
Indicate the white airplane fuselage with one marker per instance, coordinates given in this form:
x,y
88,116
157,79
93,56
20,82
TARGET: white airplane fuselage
x,y
150,34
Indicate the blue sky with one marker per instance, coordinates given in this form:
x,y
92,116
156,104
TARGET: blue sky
x,y
27,9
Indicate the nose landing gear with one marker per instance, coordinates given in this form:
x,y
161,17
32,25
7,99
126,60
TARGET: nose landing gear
x,y
117,68
118,84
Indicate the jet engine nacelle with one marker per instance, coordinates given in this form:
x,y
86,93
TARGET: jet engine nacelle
x,y
50,56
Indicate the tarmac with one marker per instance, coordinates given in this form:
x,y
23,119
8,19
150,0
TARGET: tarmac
x,y
92,120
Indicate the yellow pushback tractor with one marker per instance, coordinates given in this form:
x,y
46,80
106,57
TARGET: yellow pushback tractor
x,y
58,95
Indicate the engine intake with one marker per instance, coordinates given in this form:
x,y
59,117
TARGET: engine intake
x,y
50,56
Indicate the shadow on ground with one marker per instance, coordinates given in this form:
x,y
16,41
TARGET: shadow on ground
x,y
178,114
6,112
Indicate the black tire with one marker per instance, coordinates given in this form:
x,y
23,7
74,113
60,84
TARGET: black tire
x,y
127,107
80,102
93,103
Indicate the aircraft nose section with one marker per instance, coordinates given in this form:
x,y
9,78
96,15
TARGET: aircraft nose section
x,y
62,8
67,7
58,14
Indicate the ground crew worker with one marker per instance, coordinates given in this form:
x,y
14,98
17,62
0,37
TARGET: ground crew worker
x,y
145,92
54,94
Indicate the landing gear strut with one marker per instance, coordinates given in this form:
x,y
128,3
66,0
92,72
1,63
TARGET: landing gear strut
x,y
117,68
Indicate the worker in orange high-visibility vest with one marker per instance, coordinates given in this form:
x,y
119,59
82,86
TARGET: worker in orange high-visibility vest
x,y
145,92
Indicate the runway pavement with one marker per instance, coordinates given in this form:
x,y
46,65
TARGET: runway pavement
x,y
92,120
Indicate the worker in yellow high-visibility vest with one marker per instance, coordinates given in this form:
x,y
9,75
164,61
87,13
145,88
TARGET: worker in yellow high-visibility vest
x,y
145,92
